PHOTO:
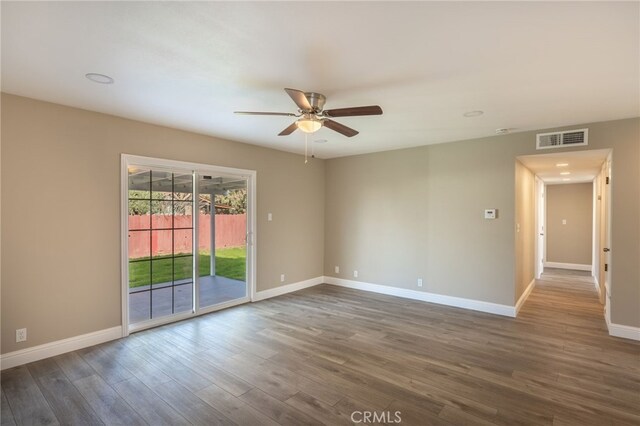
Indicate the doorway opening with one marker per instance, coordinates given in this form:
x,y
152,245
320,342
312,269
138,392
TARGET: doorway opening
x,y
572,212
187,240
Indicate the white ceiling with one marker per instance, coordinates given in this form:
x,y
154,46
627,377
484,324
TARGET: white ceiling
x,y
582,166
189,65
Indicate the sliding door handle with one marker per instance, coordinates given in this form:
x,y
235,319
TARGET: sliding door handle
x,y
606,250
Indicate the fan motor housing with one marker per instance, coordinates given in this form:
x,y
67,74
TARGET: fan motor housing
x,y
316,100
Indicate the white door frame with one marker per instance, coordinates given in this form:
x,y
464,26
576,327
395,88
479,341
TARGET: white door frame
x,y
127,160
607,256
540,215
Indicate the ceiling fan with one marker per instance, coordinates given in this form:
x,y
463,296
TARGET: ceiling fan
x,y
312,116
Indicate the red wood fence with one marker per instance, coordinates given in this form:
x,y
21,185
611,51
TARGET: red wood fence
x,y
231,231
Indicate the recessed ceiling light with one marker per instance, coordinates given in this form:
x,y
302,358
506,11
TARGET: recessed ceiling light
x,y
566,179
99,78
562,164
473,113
320,141
565,173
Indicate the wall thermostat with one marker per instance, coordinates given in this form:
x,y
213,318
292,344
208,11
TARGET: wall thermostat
x,y
490,213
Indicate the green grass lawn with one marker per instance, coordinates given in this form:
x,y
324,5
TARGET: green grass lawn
x,y
230,263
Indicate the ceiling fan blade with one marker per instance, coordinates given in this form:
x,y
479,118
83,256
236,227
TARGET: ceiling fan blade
x,y
288,130
286,114
300,99
353,111
340,128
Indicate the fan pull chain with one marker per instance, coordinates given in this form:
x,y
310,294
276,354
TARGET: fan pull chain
x,y
306,147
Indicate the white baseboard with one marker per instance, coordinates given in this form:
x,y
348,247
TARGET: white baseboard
x,y
574,266
624,331
458,302
525,295
36,353
288,288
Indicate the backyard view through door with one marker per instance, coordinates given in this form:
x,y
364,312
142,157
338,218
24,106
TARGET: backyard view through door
x,y
222,242
163,234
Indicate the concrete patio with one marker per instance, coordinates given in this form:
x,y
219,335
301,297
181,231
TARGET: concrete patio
x,y
213,290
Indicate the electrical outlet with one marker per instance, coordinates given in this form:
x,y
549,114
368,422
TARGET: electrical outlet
x,y
419,282
281,278
21,335
336,269
269,217
355,274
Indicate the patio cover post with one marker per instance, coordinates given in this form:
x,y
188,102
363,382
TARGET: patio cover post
x,y
212,265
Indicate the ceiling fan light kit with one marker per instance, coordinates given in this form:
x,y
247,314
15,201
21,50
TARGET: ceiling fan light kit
x,y
312,117
309,124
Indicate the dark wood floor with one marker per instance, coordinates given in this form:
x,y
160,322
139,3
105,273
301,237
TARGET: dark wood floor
x,y
318,355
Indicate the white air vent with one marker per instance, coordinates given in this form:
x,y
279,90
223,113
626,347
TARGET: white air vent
x,y
561,139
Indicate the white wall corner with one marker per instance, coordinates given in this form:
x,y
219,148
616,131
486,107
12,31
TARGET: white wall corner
x,y
572,266
288,288
36,353
440,299
525,295
596,284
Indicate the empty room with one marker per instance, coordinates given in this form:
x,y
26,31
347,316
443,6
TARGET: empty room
x,y
263,213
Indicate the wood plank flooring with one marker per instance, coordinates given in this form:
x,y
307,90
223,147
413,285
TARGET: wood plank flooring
x,y
318,355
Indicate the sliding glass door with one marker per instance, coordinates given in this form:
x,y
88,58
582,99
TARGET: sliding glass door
x,y
164,280
222,243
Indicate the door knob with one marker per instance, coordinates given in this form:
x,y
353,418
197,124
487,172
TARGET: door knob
x,y
606,249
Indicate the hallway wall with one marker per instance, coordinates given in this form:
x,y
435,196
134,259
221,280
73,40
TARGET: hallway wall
x,y
525,228
570,241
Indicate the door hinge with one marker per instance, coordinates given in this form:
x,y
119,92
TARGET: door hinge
x,y
606,267
607,180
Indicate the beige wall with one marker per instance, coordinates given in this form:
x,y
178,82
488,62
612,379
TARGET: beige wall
x,y
570,242
61,275
399,215
525,228
395,216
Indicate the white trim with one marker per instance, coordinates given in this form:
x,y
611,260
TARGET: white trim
x,y
36,353
278,291
597,285
459,302
525,295
623,331
573,266
124,242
